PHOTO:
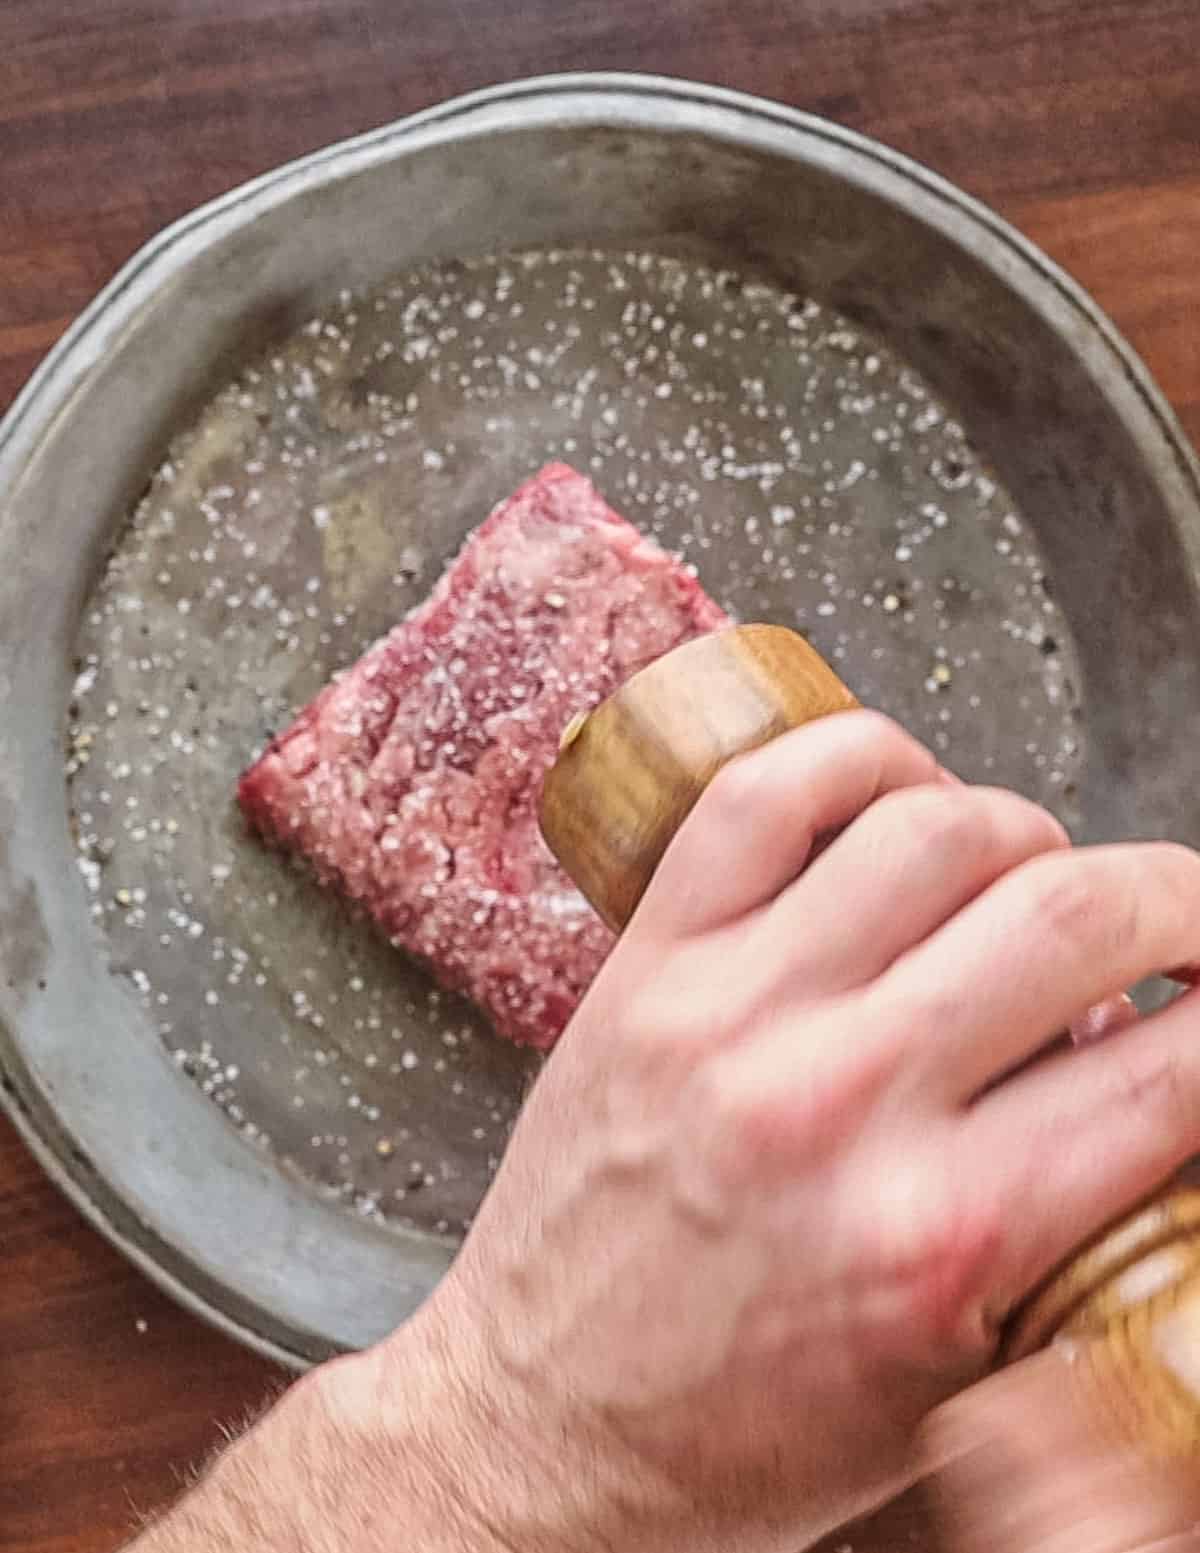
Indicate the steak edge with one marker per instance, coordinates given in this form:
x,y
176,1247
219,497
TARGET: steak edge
x,y
411,782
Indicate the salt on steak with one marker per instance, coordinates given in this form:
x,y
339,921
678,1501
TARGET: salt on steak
x,y
411,782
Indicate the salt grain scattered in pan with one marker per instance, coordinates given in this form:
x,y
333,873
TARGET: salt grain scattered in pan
x,y
811,478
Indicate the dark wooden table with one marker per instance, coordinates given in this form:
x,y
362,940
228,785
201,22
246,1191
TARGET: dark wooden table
x,y
1078,119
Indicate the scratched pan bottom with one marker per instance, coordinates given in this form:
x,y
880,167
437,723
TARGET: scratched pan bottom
x,y
955,483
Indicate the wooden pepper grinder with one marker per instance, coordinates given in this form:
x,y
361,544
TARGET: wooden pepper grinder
x,y
627,776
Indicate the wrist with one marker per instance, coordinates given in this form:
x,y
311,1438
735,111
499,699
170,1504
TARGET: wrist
x,y
498,1459
412,1437
432,1442
365,1453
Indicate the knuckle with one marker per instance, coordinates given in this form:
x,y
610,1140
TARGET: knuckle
x,y
776,1126
874,740
1037,822
980,822
751,785
740,788
1178,867
759,1137
751,1126
929,819
912,1010
877,731
1067,900
1104,902
940,1249
1161,1088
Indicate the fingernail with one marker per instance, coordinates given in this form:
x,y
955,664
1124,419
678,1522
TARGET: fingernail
x,y
1104,1019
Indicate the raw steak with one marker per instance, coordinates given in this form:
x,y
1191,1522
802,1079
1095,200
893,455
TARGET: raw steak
x,y
412,781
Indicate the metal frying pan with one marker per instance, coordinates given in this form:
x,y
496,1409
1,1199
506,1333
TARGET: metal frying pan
x,y
851,396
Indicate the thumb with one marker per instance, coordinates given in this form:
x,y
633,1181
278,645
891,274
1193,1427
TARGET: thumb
x,y
1030,1461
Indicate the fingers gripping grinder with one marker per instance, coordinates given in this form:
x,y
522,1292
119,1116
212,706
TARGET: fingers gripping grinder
x,y
627,776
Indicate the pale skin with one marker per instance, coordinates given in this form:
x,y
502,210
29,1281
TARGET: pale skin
x,y
1033,1460
775,1191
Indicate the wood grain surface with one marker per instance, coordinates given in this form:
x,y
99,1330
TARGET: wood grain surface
x,y
629,774
1078,119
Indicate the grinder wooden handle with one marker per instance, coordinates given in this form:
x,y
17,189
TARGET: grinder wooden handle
x,y
627,776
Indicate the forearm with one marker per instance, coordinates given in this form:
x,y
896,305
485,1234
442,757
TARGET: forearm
x,y
250,1496
332,1467
411,1448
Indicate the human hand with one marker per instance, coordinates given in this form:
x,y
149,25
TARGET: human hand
x,y
783,1177
1037,1460
773,1194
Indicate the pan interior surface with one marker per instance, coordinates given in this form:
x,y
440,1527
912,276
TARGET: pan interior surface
x,y
813,478
853,399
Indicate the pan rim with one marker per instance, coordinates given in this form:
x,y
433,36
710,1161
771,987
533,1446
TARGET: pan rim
x,y
648,102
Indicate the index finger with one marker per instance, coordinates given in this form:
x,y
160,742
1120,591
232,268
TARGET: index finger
x,y
754,827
